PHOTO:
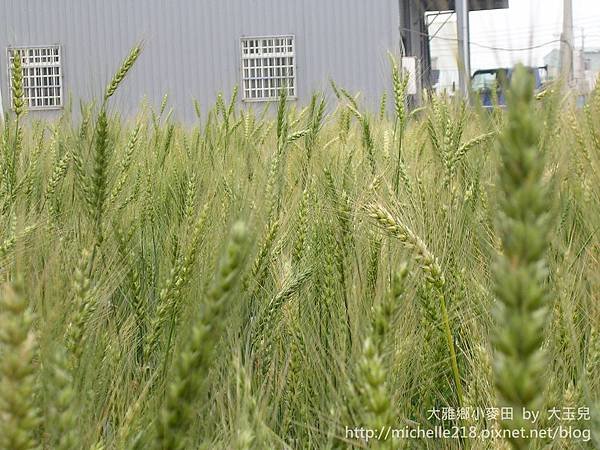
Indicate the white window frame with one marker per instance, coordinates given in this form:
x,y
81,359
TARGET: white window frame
x,y
254,62
29,63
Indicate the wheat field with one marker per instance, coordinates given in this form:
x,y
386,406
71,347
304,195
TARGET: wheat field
x,y
302,277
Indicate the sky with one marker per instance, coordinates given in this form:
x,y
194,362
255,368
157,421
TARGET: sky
x,y
526,23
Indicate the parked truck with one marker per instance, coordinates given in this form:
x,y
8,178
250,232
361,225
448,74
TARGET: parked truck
x,y
490,85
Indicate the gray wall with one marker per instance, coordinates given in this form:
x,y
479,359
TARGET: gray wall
x,y
191,47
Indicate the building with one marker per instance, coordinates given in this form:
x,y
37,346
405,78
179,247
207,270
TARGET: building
x,y
444,53
197,49
586,68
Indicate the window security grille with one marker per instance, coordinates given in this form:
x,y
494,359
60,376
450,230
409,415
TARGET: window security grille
x,y
268,65
42,75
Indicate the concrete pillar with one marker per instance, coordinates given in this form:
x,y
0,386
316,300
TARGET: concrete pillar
x,y
566,43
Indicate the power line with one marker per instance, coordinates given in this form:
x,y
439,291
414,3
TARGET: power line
x,y
489,47
537,35
440,27
544,29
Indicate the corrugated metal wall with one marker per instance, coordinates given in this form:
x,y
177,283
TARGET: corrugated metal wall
x,y
192,46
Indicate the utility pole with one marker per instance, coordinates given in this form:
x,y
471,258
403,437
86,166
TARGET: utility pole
x,y
566,43
464,53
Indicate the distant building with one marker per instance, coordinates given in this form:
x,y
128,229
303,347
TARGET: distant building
x,y
552,61
195,49
444,54
586,68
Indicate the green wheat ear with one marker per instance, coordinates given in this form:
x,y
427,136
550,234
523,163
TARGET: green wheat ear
x,y
126,66
521,271
178,414
62,413
18,414
18,96
372,382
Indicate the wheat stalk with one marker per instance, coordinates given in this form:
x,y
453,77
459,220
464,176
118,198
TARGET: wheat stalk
x,y
433,273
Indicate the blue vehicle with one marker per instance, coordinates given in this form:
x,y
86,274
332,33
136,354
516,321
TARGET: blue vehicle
x,y
490,83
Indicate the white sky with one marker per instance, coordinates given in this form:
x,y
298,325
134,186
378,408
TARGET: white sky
x,y
527,23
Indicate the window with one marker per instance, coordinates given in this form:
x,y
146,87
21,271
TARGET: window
x,y
42,75
268,65
482,81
